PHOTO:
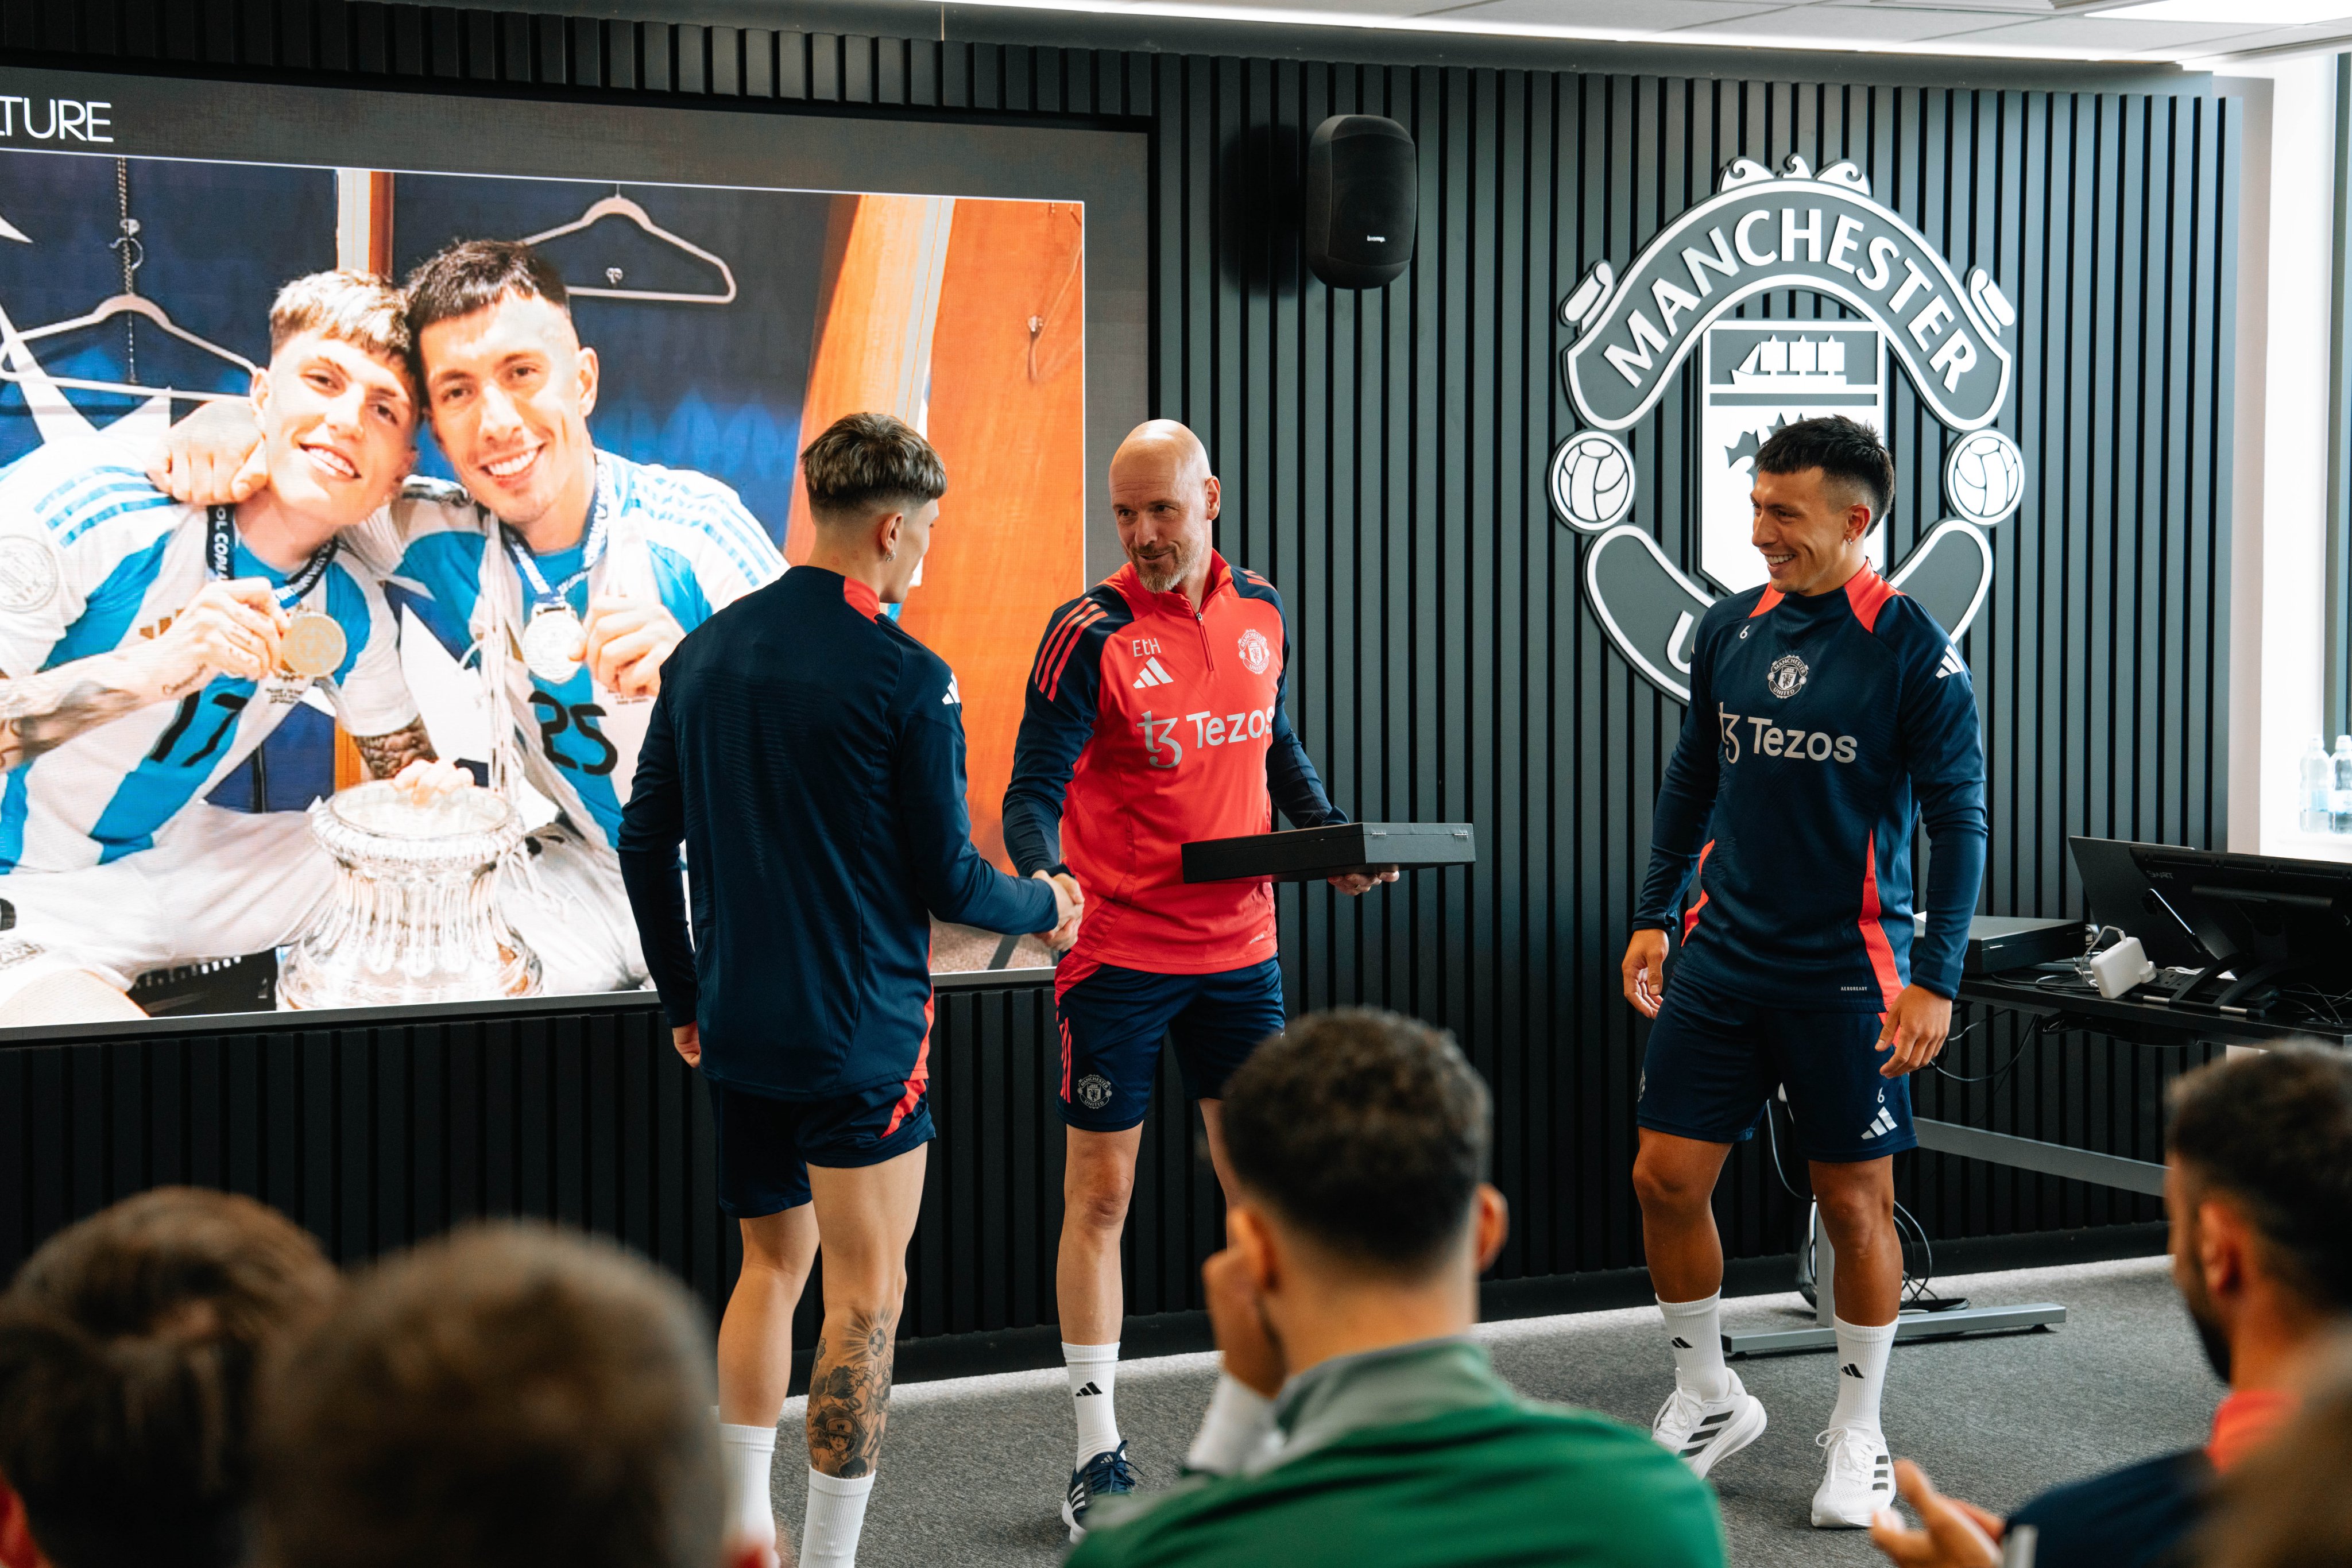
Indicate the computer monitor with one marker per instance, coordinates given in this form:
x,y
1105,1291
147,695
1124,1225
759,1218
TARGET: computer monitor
x,y
2269,921
2121,897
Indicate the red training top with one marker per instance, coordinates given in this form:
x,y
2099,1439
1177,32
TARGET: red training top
x,y
1149,726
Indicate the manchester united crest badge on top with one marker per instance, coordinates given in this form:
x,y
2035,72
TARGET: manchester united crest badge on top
x,y
1787,676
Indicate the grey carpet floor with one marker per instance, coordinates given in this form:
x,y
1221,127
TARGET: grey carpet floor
x,y
974,1469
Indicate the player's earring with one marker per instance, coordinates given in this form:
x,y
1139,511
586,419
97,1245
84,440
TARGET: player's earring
x,y
889,555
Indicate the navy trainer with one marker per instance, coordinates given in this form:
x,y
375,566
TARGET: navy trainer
x,y
1107,1474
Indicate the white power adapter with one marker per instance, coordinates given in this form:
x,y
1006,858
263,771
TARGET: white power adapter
x,y
2121,967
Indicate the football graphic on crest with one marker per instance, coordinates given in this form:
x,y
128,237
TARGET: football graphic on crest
x,y
1592,480
1257,652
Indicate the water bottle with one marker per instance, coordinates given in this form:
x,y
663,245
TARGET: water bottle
x,y
2340,804
2318,810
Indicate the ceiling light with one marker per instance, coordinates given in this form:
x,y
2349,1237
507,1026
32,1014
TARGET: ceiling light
x,y
2246,13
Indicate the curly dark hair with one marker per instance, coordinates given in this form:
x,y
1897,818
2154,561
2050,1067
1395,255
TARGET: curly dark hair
x,y
1368,1131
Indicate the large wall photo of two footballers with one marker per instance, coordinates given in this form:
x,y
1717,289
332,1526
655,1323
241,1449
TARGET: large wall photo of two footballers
x,y
347,518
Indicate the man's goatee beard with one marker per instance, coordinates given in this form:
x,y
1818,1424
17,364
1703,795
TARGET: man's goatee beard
x,y
1159,576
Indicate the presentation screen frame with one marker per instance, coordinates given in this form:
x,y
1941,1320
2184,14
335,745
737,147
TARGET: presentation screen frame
x,y
1105,165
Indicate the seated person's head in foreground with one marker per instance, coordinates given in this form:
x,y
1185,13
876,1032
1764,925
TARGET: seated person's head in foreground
x,y
2261,1197
874,488
506,1397
1359,1143
129,1347
2258,1188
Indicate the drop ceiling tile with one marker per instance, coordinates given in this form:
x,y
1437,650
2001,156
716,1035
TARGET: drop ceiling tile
x,y
1628,16
2123,37
1851,24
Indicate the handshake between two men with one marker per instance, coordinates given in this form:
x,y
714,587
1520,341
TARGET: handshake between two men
x,y
1069,908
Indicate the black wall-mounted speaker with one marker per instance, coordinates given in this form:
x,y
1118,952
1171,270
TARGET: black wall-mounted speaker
x,y
1361,200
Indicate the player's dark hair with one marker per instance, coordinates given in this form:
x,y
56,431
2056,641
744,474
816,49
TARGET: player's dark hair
x,y
1849,454
866,464
130,1350
1366,1130
470,275
2272,1132
507,1394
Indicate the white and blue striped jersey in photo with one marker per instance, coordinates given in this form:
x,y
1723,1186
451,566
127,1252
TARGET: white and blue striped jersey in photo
x,y
670,534
94,559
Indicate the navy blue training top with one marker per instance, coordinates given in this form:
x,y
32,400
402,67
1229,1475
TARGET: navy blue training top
x,y
2139,1517
810,754
1821,730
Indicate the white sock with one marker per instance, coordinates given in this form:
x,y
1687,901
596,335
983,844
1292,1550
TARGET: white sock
x,y
750,1455
1695,1329
1094,1374
836,1512
1862,1372
1238,1420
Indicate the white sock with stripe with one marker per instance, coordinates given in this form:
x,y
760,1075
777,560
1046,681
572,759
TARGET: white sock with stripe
x,y
1695,1330
1862,1372
1094,1376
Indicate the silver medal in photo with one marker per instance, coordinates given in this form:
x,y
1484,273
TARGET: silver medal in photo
x,y
551,644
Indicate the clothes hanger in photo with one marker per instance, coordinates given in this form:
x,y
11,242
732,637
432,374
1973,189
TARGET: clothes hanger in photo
x,y
617,206
129,304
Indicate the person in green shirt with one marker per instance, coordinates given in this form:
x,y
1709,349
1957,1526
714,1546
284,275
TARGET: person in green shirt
x,y
1355,1424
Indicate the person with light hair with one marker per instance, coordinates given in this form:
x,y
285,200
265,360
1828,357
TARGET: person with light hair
x,y
561,574
148,646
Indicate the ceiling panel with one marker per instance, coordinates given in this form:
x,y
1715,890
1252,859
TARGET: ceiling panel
x,y
2094,33
1833,25
1991,27
1631,15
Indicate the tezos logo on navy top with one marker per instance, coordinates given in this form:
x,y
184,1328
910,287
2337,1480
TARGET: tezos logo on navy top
x,y
1787,676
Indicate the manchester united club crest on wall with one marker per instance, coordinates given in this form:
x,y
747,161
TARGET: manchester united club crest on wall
x,y
1762,234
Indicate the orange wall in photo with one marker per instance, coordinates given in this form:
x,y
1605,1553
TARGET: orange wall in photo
x,y
880,296
1008,416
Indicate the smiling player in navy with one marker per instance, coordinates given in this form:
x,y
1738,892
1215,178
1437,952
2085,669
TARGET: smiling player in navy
x,y
1829,715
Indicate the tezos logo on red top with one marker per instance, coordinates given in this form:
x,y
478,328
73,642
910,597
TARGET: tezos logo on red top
x,y
1257,652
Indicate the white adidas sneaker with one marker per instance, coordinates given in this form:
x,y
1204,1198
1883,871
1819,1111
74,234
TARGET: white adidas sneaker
x,y
1860,1480
1702,1433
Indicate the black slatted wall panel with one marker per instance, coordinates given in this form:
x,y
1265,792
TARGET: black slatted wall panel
x,y
1383,459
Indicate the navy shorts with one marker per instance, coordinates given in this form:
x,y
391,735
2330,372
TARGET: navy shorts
x,y
766,1145
1112,1021
1715,1062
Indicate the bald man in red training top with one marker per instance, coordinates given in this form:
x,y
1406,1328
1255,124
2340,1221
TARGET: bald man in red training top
x,y
1155,718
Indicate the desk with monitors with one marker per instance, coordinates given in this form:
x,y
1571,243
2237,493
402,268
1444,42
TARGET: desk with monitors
x,y
2250,951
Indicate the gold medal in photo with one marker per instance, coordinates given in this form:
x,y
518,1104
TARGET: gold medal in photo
x,y
551,644
313,645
